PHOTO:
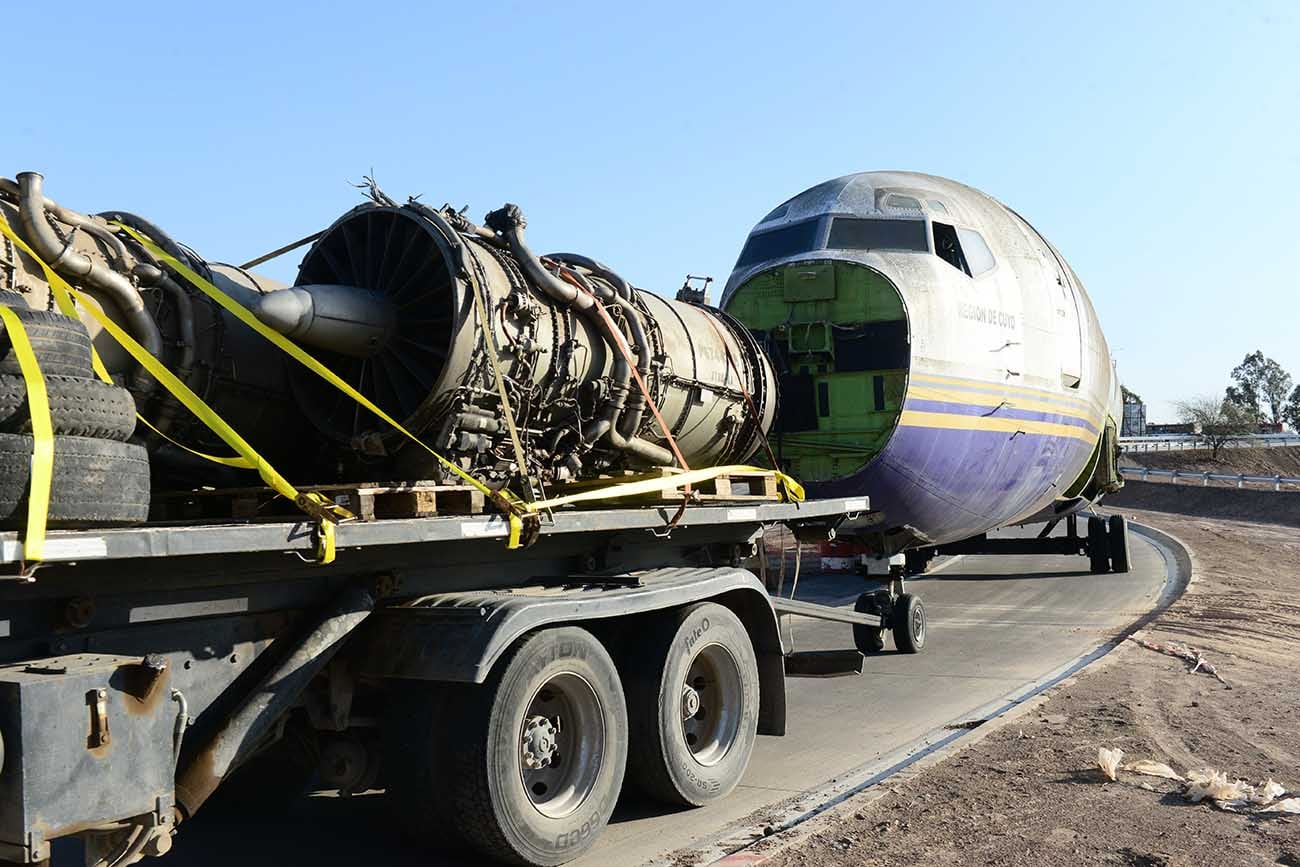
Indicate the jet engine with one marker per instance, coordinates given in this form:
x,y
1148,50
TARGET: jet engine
x,y
455,329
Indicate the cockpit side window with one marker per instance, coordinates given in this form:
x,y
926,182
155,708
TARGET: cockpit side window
x,y
948,248
779,243
978,255
853,233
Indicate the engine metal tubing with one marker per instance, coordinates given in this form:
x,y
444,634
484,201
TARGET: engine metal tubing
x,y
245,729
616,422
31,205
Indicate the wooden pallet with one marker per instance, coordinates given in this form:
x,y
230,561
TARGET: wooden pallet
x,y
368,502
756,486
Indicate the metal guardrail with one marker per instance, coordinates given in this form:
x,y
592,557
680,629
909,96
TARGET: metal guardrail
x,y
1205,478
1193,442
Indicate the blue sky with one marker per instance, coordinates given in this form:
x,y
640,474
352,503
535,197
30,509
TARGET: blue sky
x,y
1156,144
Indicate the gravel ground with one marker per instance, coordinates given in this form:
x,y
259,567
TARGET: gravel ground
x,y
1030,791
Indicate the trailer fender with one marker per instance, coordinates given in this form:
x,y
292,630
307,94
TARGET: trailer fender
x,y
458,637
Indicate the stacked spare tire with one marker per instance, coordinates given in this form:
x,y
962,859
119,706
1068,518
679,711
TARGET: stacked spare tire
x,y
100,478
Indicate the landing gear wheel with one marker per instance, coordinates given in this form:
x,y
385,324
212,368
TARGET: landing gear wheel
x,y
909,623
1098,546
693,706
869,639
1117,533
537,753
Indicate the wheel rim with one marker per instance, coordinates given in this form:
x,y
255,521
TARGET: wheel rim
x,y
561,745
711,697
918,623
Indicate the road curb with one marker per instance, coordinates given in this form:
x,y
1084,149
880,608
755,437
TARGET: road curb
x,y
747,843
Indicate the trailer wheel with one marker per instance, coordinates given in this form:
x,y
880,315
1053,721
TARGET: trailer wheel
x,y
869,639
539,751
1117,531
909,623
693,706
1098,546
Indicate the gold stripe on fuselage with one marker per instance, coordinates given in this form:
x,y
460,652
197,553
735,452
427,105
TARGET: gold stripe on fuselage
x,y
996,401
956,421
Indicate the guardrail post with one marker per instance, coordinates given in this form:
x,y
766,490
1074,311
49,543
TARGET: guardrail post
x,y
1146,473
1241,479
1174,477
1277,482
1205,480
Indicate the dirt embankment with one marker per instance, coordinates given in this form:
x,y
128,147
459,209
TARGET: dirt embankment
x,y
1267,507
1251,462
1030,792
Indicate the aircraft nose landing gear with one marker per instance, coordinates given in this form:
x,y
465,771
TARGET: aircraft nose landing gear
x,y
900,612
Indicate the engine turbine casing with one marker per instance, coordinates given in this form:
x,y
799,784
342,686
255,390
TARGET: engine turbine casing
x,y
425,358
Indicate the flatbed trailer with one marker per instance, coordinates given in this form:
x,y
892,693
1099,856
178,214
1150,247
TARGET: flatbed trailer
x,y
505,693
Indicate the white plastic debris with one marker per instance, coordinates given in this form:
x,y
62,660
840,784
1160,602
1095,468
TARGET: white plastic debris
x,y
1108,760
1265,792
1287,805
1153,769
1205,783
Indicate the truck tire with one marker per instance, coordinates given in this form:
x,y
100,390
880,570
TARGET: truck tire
x,y
693,707
78,407
529,790
1098,546
1117,533
869,639
61,344
909,623
96,482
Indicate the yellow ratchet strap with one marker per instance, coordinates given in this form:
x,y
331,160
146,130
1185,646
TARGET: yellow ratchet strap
x,y
515,510
325,512
793,490
38,403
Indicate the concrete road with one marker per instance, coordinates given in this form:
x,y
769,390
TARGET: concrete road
x,y
995,625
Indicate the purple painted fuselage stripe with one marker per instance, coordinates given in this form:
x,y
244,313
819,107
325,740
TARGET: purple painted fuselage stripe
x,y
952,484
998,412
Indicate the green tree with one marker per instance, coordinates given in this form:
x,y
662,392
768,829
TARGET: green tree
x,y
1292,412
1216,422
1261,387
1129,395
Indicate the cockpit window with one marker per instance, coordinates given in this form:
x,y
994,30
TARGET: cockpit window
x,y
948,248
978,255
853,233
905,203
779,243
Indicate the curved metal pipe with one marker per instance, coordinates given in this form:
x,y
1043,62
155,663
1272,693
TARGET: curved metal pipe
x,y
145,227
90,225
152,275
31,209
630,421
508,222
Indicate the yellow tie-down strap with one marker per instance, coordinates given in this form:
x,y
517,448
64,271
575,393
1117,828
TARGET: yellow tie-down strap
x,y
514,508
326,513
38,404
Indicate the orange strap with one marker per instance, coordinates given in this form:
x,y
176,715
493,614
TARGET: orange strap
x,y
645,391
